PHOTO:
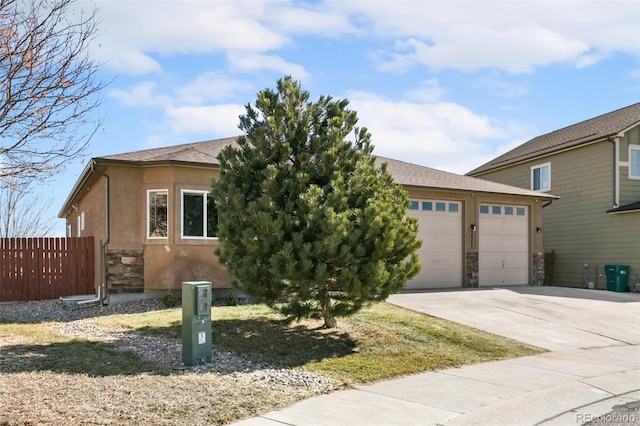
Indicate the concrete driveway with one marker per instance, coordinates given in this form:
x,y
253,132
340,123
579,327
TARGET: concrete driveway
x,y
593,365
553,318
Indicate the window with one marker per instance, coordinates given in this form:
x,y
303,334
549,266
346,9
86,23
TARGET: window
x,y
157,220
496,210
413,205
82,221
508,210
484,209
520,211
453,207
199,215
79,228
441,207
634,162
427,205
541,177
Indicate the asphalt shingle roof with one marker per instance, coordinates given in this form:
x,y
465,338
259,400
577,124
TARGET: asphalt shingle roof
x,y
598,128
206,153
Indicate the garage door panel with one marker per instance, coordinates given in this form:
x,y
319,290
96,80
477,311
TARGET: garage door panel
x,y
503,245
441,251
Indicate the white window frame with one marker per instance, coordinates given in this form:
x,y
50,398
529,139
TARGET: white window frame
x,y
79,229
541,166
633,148
82,221
206,195
149,236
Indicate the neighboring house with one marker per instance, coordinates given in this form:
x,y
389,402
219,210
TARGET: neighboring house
x,y
594,167
155,224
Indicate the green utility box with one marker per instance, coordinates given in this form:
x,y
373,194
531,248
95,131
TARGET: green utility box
x,y
196,322
617,276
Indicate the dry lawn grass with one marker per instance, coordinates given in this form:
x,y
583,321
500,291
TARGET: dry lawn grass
x,y
51,378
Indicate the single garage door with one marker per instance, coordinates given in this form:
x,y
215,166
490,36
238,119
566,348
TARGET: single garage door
x,y
503,245
440,229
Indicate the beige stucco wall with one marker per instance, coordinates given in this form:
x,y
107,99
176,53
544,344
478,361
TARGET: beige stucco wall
x,y
168,262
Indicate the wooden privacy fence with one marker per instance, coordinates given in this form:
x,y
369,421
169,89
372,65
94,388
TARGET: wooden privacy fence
x,y
45,268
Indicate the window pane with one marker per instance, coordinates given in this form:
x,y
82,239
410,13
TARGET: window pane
x,y
541,178
413,205
192,215
484,209
536,179
212,218
520,211
453,207
496,210
427,205
634,162
157,214
441,207
508,211
544,176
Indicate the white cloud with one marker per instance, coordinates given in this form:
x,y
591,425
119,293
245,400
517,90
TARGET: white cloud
x,y
428,91
513,36
445,136
139,95
250,62
498,86
214,121
516,50
210,86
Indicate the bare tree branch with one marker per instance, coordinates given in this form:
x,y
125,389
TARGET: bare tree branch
x,y
23,213
48,86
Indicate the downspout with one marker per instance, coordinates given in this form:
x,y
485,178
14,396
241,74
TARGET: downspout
x,y
616,171
102,289
103,247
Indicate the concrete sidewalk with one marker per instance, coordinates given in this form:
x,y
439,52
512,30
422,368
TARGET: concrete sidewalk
x,y
594,364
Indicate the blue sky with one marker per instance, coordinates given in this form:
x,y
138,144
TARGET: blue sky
x,y
444,84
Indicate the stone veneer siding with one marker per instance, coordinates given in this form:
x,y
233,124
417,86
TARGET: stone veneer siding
x,y
472,270
538,269
125,271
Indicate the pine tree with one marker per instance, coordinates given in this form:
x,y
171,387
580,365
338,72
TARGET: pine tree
x,y
306,216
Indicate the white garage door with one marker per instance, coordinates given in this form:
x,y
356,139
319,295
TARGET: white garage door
x,y
440,230
503,245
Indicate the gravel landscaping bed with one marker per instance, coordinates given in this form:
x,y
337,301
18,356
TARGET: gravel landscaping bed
x,y
227,389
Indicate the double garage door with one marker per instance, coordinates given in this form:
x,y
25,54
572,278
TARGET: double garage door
x,y
503,244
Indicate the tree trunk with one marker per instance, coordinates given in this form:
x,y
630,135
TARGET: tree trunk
x,y
329,320
327,315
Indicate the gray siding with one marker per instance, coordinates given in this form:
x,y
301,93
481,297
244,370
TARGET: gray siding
x,y
576,227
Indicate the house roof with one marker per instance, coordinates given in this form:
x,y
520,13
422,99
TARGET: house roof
x,y
205,154
628,208
595,129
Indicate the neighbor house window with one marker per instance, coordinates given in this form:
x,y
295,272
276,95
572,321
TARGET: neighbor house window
x,y
157,219
541,177
634,162
199,215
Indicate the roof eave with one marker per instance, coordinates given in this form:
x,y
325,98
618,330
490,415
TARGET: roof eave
x,y
476,191
84,177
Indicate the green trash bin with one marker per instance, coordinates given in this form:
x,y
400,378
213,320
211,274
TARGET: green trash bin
x,y
617,276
